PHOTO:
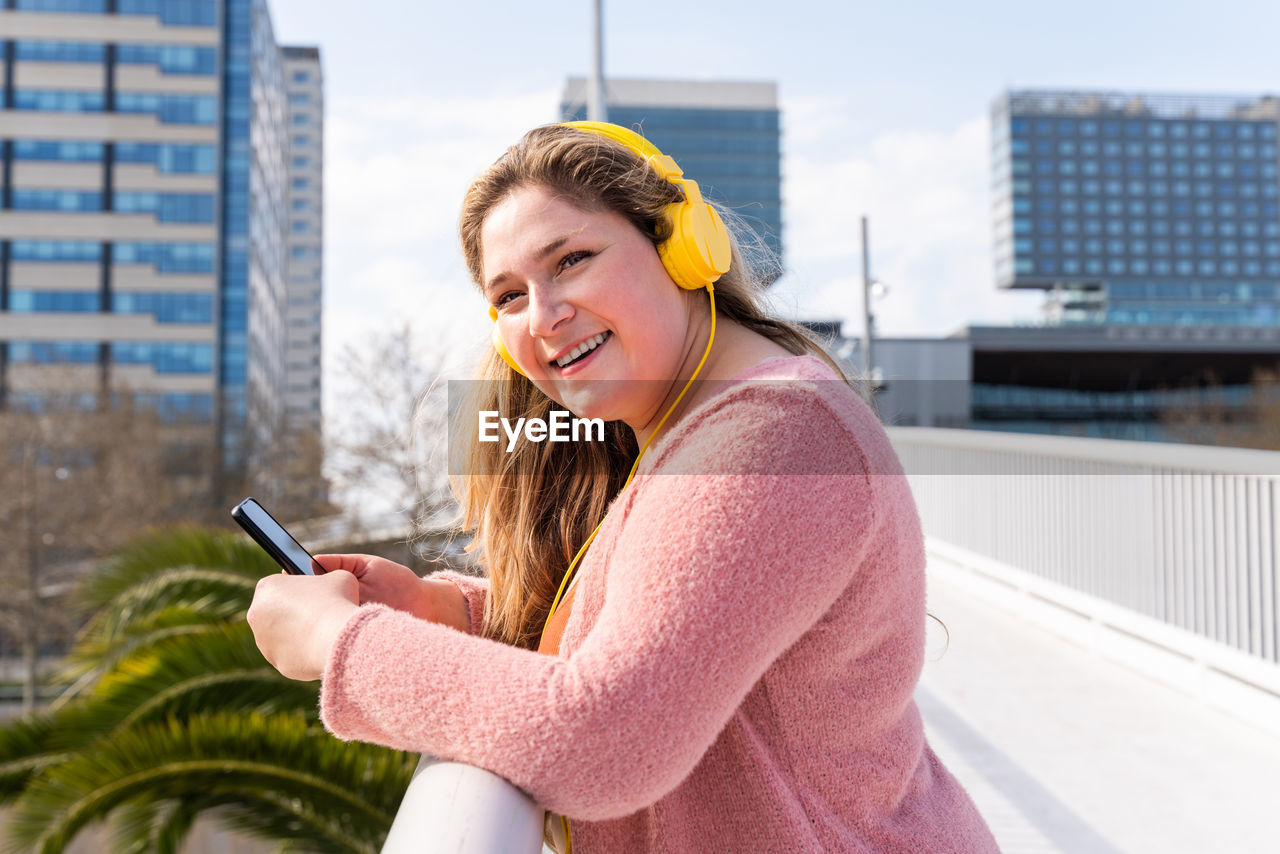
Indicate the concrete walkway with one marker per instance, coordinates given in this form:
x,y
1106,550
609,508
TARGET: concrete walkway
x,y
1063,751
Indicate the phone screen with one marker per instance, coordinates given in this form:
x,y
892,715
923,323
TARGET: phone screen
x,y
272,536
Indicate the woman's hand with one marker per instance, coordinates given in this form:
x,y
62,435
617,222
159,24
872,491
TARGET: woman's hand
x,y
297,618
389,583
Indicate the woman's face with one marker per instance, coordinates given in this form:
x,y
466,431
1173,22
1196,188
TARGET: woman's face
x,y
565,281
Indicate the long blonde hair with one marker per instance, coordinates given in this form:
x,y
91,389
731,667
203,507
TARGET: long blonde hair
x,y
532,509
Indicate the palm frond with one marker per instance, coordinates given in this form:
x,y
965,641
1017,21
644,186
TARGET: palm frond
x,y
158,827
163,551
25,748
277,776
171,713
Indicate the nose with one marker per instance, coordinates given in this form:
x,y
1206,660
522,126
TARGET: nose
x,y
547,310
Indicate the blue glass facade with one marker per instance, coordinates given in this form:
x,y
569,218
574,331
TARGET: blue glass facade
x,y
733,153
254,176
1151,210
210,252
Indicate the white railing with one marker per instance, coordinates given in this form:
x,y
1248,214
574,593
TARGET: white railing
x,y
1184,534
458,809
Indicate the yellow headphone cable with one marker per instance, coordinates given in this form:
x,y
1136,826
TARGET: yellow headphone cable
x,y
573,565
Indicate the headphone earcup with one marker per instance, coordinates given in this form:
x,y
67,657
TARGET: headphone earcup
x,y
698,251
496,338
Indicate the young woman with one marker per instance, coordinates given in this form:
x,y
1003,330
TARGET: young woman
x,y
733,664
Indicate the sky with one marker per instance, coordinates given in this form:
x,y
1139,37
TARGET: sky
x,y
885,114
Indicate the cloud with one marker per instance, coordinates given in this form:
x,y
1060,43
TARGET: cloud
x,y
395,173
926,197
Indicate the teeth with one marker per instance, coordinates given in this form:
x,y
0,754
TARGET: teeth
x,y
585,347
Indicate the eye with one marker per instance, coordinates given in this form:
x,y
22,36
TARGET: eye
x,y
574,258
505,298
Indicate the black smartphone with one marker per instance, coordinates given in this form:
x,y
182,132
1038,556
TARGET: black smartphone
x,y
272,536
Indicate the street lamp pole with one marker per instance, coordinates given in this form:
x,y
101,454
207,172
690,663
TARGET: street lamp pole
x,y
597,110
868,321
31,629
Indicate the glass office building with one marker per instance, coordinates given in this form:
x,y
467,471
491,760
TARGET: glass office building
x,y
304,86
1139,209
143,209
724,134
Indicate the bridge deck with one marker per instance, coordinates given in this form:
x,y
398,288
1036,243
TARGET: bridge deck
x,y
1063,751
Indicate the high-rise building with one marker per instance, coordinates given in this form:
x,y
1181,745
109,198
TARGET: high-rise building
x,y
1142,209
144,218
724,134
303,81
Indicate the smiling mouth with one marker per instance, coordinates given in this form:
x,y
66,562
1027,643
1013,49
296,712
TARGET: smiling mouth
x,y
586,348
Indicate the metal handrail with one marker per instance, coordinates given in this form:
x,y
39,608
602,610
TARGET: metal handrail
x,y
451,808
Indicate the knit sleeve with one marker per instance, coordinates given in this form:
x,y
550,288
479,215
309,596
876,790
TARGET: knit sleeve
x,y
474,590
753,523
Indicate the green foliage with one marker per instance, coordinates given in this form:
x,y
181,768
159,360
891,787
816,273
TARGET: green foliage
x,y
170,712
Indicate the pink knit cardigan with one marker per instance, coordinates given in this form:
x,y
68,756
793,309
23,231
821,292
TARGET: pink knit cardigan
x,y
737,670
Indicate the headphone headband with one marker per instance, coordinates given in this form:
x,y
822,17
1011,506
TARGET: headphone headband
x,y
698,251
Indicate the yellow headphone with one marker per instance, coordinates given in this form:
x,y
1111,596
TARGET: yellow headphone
x,y
697,252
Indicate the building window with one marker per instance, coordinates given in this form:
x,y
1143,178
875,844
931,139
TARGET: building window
x,y
54,301
58,150
166,307
55,101
57,200
164,357
166,257
56,250
169,58
171,109
45,352
74,6
167,207
175,158
48,51
174,13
